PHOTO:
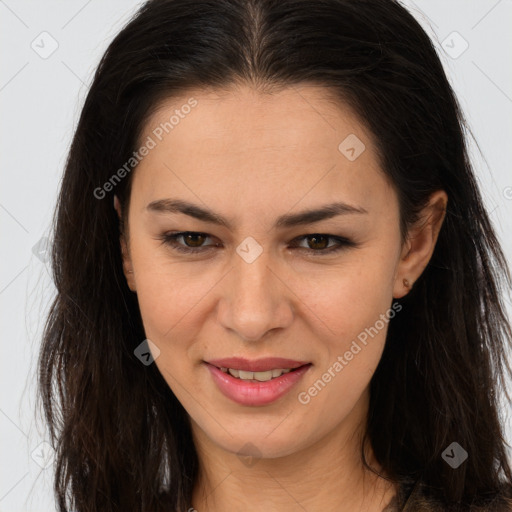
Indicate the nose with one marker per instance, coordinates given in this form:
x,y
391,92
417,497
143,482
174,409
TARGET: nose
x,y
255,299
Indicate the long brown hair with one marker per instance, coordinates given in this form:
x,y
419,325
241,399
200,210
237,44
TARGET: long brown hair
x,y
122,439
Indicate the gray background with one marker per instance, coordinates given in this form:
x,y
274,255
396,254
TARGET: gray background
x,y
40,99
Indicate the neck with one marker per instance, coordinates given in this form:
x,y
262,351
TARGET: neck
x,y
326,476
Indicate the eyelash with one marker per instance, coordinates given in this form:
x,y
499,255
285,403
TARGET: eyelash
x,y
170,240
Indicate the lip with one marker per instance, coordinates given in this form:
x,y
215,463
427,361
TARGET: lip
x,y
256,365
256,393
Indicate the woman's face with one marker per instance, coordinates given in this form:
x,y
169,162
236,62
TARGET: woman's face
x,y
264,279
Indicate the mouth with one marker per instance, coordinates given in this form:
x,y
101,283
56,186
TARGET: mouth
x,y
257,365
257,382
257,376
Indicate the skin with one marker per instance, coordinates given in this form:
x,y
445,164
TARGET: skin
x,y
252,157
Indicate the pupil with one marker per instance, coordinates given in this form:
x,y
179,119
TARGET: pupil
x,y
315,239
194,236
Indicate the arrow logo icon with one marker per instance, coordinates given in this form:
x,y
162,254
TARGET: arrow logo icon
x,y
351,147
43,455
249,460
454,455
40,250
454,45
249,249
44,45
147,352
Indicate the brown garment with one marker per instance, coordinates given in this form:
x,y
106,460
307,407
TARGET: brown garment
x,y
414,500
406,495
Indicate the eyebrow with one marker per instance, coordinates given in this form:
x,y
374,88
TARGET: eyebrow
x,y
285,221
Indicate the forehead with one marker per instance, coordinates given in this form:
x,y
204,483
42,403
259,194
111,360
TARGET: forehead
x,y
242,118
280,146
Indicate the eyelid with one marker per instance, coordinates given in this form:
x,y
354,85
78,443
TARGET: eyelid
x,y
342,243
170,240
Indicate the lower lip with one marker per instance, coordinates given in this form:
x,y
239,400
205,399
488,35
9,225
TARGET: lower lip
x,y
245,392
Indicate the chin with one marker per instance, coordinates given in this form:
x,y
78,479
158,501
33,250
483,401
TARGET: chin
x,y
254,443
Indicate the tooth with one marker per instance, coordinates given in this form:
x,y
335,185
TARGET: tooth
x,y
263,376
259,376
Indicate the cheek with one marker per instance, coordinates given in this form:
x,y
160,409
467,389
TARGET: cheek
x,y
352,310
169,299
349,298
168,291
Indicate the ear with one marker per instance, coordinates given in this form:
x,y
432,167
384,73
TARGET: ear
x,y
420,244
125,251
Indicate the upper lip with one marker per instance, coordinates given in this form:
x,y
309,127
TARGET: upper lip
x,y
256,365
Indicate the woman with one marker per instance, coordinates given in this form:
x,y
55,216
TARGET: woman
x,y
278,288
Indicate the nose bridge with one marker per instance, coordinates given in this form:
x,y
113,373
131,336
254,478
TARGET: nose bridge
x,y
252,279
255,300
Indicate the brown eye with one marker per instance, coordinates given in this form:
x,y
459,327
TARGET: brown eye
x,y
192,242
318,242
187,242
194,239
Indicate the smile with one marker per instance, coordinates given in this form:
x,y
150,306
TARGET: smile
x,y
256,383
256,376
